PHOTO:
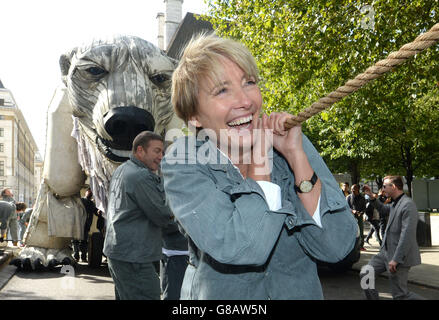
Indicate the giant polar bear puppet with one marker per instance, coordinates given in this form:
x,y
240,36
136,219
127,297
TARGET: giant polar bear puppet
x,y
112,90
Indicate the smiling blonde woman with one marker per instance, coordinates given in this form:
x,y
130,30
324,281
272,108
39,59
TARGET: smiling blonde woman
x,y
257,203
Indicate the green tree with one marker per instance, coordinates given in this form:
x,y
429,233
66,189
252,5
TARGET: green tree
x,y
306,49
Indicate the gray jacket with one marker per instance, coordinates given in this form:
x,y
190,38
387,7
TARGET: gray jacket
x,y
136,213
24,217
8,199
399,242
6,210
239,248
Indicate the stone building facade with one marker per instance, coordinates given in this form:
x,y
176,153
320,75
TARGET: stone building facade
x,y
17,150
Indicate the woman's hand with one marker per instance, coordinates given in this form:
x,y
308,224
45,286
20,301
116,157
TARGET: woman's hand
x,y
287,142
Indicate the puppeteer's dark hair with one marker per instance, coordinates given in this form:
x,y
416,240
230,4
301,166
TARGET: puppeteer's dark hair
x,y
20,206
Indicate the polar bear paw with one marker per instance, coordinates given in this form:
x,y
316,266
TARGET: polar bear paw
x,y
36,258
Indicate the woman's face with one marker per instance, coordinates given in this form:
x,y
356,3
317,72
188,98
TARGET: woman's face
x,y
230,108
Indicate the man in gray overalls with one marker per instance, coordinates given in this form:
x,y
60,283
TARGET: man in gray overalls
x,y
136,214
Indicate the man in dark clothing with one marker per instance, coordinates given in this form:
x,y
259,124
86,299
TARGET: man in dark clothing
x,y
373,217
90,209
383,215
357,203
174,262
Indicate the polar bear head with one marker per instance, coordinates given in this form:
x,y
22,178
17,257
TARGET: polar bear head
x,y
118,88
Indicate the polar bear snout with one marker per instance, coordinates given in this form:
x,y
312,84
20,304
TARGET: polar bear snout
x,y
123,124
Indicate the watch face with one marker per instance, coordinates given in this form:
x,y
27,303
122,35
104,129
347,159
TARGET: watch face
x,y
306,186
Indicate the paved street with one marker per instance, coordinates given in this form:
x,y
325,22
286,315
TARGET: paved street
x,y
86,284
346,286
96,284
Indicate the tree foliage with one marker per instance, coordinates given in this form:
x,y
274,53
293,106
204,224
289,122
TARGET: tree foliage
x,y
306,49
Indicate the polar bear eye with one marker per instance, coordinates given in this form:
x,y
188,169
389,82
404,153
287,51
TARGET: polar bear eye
x,y
95,71
159,79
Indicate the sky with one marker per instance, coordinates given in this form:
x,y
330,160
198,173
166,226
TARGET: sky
x,y
35,33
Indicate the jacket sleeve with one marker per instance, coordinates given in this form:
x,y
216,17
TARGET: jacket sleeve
x,y
151,200
383,209
3,220
233,225
336,238
6,212
409,220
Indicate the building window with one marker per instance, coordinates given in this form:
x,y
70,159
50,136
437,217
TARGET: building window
x,y
2,132
2,102
2,147
2,168
2,183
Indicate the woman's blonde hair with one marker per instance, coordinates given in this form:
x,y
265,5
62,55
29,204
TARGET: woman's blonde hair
x,y
200,60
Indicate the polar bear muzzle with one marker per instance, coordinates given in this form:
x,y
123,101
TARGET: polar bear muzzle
x,y
123,124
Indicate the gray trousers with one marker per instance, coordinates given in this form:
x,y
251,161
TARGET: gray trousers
x,y
398,280
134,281
22,228
172,271
13,226
361,226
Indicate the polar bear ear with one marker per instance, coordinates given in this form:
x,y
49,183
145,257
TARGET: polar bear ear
x,y
64,63
174,61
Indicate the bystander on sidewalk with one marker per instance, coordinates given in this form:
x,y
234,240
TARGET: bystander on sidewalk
x,y
426,274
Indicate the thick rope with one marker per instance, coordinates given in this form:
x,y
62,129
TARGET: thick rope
x,y
408,50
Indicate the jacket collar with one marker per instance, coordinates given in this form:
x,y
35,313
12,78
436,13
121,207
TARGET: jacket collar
x,y
395,202
139,163
393,209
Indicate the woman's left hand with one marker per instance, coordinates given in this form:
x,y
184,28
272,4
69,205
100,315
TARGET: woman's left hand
x,y
289,144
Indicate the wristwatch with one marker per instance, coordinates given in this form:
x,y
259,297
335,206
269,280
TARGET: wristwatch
x,y
306,186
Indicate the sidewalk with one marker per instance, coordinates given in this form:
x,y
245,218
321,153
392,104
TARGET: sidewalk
x,y
6,253
425,274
